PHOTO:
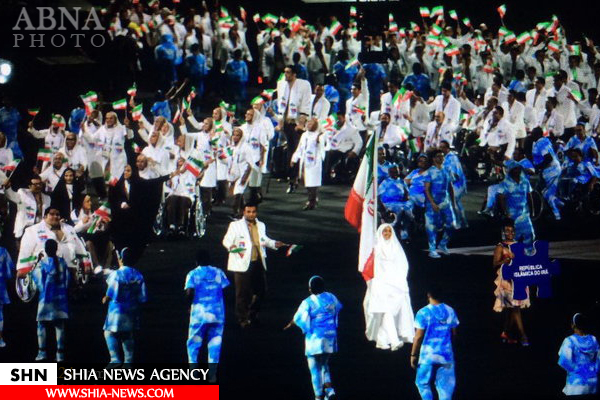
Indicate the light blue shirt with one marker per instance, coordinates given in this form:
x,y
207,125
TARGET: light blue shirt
x,y
208,283
317,317
437,321
127,290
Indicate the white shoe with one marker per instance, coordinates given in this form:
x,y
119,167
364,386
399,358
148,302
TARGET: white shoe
x,y
434,254
41,356
60,356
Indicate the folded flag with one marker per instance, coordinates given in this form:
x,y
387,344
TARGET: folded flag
x,y
132,91
502,10
33,111
194,165
424,11
136,112
119,104
12,165
294,248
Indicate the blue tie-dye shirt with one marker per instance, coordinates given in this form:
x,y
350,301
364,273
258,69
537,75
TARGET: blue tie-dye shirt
x,y
127,290
6,270
52,288
580,357
208,284
440,180
317,317
437,321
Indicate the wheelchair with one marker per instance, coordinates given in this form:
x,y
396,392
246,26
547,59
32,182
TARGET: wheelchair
x,y
196,221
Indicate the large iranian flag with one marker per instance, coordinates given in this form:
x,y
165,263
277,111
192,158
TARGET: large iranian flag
x,y
361,208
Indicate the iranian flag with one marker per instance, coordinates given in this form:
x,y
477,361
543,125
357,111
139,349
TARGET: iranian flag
x,y
103,211
424,11
270,18
452,51
353,62
58,120
136,112
89,96
575,49
453,15
523,38
437,11
177,114
402,32
329,121
257,100
294,248
390,17
335,27
194,166
185,104
436,30
283,20
256,18
502,10
119,104
11,166
361,209
44,154
27,263
415,27
358,109
268,93
132,91
510,38
192,94
554,46
33,111
224,12
353,11
503,31
432,40
225,23
555,24
136,149
393,27
218,129
577,95
243,13
467,22
111,180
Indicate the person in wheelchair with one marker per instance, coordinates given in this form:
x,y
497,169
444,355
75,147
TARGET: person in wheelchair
x,y
181,195
344,146
584,179
393,195
416,187
70,247
383,165
545,161
489,202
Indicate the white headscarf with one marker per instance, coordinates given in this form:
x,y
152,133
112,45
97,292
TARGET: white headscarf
x,y
391,263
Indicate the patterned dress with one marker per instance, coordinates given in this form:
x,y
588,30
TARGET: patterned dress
x,y
504,289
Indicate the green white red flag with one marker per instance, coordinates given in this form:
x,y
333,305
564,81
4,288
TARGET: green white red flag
x,y
424,11
194,165
335,27
361,209
33,111
120,104
502,10
453,15
136,112
44,154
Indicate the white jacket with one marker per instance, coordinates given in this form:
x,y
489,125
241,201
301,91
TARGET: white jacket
x,y
238,234
26,208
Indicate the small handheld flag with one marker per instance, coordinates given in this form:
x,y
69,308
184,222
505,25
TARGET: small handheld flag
x,y
120,104
502,11
33,111
294,248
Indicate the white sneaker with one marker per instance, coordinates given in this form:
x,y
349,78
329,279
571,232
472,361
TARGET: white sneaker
x,y
60,356
434,254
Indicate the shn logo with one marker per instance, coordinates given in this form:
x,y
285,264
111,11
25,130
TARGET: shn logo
x,y
28,375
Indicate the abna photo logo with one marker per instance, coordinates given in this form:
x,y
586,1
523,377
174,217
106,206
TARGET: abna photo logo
x,y
51,25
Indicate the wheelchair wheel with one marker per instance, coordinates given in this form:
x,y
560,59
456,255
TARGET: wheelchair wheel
x,y
26,288
200,219
538,205
158,227
594,205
